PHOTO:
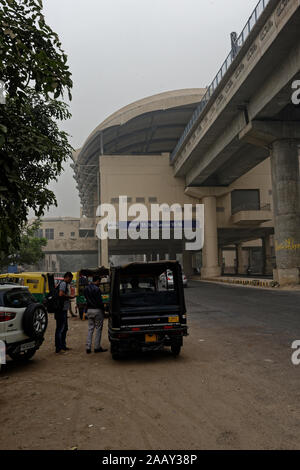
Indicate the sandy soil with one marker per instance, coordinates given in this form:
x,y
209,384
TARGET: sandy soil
x,y
223,392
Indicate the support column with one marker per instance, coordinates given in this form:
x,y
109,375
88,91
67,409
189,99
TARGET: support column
x,y
211,266
104,253
267,255
240,259
286,198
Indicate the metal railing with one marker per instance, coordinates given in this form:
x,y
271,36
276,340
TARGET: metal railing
x,y
260,7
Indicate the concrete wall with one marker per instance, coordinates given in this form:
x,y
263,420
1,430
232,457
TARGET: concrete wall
x,y
258,178
141,176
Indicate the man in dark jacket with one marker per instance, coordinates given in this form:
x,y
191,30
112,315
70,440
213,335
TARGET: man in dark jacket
x,y
61,316
95,313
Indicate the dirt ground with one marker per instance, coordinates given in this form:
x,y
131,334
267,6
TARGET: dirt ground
x,y
226,391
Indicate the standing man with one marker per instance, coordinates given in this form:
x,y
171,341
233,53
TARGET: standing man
x,y
95,313
61,316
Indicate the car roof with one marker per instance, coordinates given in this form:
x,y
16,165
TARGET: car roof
x,y
8,285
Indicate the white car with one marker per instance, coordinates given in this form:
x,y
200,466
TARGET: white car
x,y
167,280
23,322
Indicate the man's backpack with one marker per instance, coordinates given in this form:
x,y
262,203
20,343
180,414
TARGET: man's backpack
x,y
54,302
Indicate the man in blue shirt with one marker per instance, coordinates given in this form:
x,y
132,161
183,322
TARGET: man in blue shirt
x,y
95,313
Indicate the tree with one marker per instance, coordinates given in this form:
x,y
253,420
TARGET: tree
x,y
33,149
30,249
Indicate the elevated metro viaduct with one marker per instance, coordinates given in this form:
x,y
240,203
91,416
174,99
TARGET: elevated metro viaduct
x,y
129,155
248,115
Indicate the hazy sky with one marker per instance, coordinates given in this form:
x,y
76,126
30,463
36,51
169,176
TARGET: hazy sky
x,y
124,50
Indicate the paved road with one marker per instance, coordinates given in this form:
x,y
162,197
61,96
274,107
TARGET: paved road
x,y
233,387
218,305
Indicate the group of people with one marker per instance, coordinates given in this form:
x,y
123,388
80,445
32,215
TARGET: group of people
x,y
95,314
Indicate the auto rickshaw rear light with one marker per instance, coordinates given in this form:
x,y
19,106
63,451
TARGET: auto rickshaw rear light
x,y
136,329
168,327
7,316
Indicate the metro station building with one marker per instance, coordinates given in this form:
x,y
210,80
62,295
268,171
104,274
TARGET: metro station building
x,y
129,155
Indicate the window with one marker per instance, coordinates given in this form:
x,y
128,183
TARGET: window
x,y
49,233
245,200
114,200
72,234
18,298
140,200
39,233
86,233
61,234
152,199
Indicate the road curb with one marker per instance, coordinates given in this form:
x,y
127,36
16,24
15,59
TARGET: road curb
x,y
269,283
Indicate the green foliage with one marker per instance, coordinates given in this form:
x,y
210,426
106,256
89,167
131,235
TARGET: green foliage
x,y
32,148
30,247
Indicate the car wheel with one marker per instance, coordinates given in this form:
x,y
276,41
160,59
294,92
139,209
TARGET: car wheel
x,y
22,356
35,321
175,348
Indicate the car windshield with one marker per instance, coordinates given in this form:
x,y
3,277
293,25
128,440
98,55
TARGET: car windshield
x,y
17,298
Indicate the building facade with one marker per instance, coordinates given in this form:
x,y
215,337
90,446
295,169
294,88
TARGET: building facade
x,y
129,155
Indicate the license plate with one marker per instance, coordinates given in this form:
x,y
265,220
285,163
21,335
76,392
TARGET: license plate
x,y
151,338
27,346
174,319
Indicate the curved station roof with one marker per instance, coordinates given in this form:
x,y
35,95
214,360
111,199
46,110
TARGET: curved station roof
x,y
150,126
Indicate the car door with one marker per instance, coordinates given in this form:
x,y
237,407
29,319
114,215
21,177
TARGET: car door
x,y
3,324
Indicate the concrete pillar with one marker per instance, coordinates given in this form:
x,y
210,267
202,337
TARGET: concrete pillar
x,y
221,264
187,263
267,255
104,253
211,266
240,268
286,198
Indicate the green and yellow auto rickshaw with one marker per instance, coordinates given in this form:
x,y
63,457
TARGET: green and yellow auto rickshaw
x,y
37,283
83,278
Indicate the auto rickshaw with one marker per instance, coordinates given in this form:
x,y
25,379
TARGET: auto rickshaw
x,y
37,283
143,315
84,277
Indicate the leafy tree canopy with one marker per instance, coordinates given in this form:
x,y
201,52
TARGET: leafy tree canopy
x,y
33,149
30,248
